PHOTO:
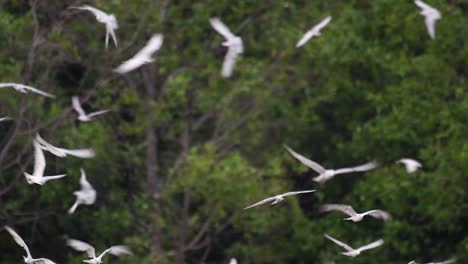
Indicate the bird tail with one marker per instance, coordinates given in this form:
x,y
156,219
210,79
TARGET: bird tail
x,y
73,208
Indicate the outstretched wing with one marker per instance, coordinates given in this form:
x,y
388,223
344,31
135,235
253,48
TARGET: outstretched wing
x,y
99,14
423,5
315,31
34,90
118,250
379,214
269,199
153,45
221,28
339,243
452,260
297,192
18,240
39,159
77,106
347,209
80,153
82,246
371,245
229,61
365,167
43,261
85,185
93,114
323,23
309,163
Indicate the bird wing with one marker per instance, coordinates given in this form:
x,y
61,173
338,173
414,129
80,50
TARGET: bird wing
x,y
153,45
371,245
43,261
365,167
18,240
309,163
129,65
93,114
339,243
3,85
99,14
34,90
298,192
85,185
5,118
229,61
347,209
77,106
80,153
269,199
323,23
221,28
452,260
423,5
430,25
39,160
379,214
116,251
48,178
82,246
313,31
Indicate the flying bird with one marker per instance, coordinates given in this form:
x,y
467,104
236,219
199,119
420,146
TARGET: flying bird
x,y
82,246
82,116
39,166
28,258
315,31
233,43
351,252
431,16
355,217
233,261
278,198
61,152
411,165
86,195
144,56
25,89
327,174
452,260
108,19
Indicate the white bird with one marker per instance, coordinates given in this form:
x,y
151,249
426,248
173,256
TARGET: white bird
x,y
315,31
5,118
233,261
28,258
351,252
431,16
355,217
411,165
452,260
39,166
327,174
25,89
144,56
233,43
61,152
278,198
86,195
82,116
82,246
108,19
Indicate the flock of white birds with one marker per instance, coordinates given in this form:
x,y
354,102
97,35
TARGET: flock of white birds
x,y
87,194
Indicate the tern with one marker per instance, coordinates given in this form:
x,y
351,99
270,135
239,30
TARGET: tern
x,y
25,89
108,19
233,43
327,174
61,152
39,166
144,56
411,165
354,252
452,260
82,116
355,217
431,16
28,258
315,31
278,198
86,195
82,246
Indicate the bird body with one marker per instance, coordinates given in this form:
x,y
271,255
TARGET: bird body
x,y
355,217
91,252
313,32
277,198
25,89
28,258
86,195
431,15
351,252
234,44
108,19
327,174
144,56
39,167
61,152
82,116
411,165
